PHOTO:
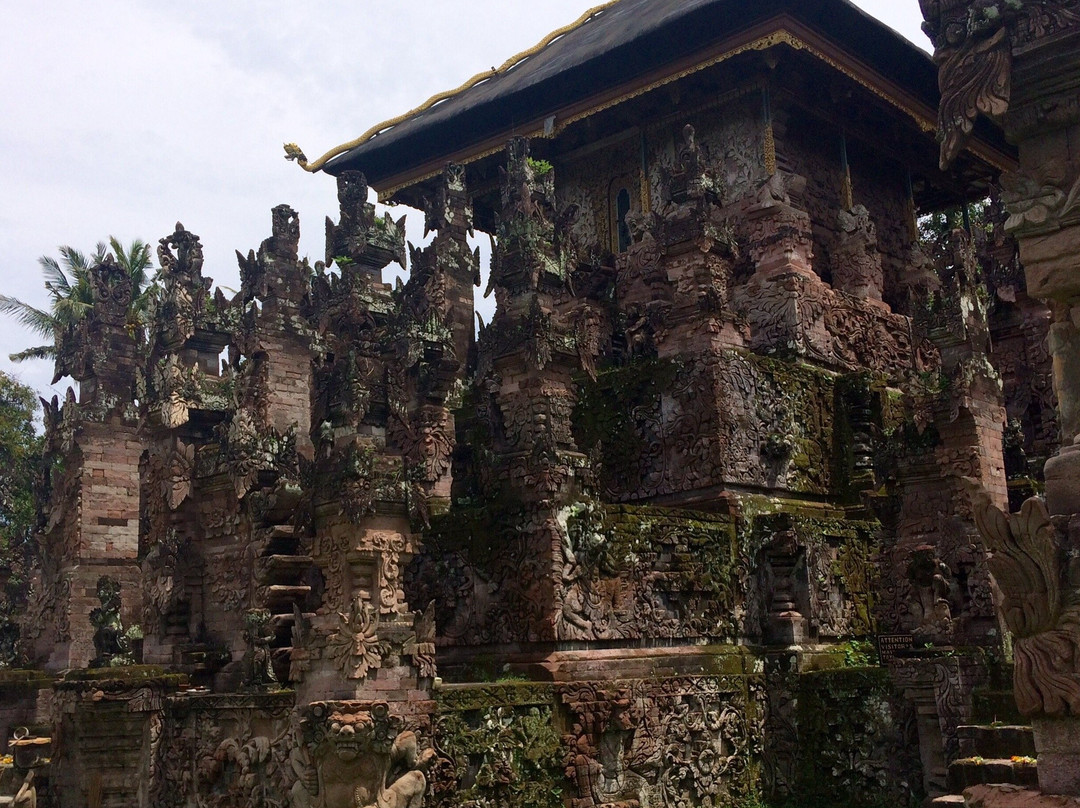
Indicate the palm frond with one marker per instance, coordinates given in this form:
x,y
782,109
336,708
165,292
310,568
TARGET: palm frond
x,y
38,321
70,310
70,286
136,260
54,275
74,259
40,352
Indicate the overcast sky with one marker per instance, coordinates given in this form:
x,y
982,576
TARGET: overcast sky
x,y
120,117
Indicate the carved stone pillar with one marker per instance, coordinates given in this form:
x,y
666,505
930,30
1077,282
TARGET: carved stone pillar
x,y
377,447
857,263
1062,472
186,393
527,360
1016,62
528,352
434,342
93,526
274,337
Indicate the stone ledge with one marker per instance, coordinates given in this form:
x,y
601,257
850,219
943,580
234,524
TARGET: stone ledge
x,y
1006,796
25,680
119,678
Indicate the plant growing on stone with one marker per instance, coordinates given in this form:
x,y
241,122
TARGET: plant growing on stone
x,y
540,167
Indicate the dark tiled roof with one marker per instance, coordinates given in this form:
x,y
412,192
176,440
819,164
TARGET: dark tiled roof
x,y
630,39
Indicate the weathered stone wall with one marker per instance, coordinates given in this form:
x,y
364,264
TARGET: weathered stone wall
x,y
832,737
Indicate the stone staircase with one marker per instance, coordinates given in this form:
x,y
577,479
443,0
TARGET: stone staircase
x,y
284,579
991,754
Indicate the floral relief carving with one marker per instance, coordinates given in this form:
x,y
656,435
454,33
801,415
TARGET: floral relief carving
x,y
355,646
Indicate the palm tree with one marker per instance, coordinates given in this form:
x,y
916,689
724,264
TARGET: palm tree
x,y
71,291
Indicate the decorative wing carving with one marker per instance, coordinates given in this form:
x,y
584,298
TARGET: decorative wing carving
x,y
1028,565
975,78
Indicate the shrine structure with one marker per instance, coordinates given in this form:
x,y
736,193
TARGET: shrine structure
x,y
693,521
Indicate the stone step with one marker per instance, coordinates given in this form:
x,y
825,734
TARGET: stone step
x,y
280,598
284,540
967,772
947,801
201,658
283,569
995,741
284,622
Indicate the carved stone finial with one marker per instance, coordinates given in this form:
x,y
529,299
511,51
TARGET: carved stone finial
x,y
185,289
112,291
857,268
187,261
361,238
694,178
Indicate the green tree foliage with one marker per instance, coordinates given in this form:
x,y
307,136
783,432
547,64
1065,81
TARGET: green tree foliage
x,y
933,227
20,462
70,291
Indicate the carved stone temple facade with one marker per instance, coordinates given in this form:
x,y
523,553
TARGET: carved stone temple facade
x,y
700,517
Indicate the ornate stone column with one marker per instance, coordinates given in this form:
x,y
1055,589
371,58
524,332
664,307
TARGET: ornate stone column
x,y
1016,63
92,532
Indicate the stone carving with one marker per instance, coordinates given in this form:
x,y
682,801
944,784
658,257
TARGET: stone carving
x,y
975,66
636,744
852,739
1038,582
258,663
406,790
936,594
364,758
974,43
422,646
1037,201
356,646
111,642
165,566
510,755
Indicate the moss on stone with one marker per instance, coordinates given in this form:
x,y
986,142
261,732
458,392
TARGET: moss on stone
x,y
605,408
499,755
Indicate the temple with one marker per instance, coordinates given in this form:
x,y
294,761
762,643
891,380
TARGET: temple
x,y
712,512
